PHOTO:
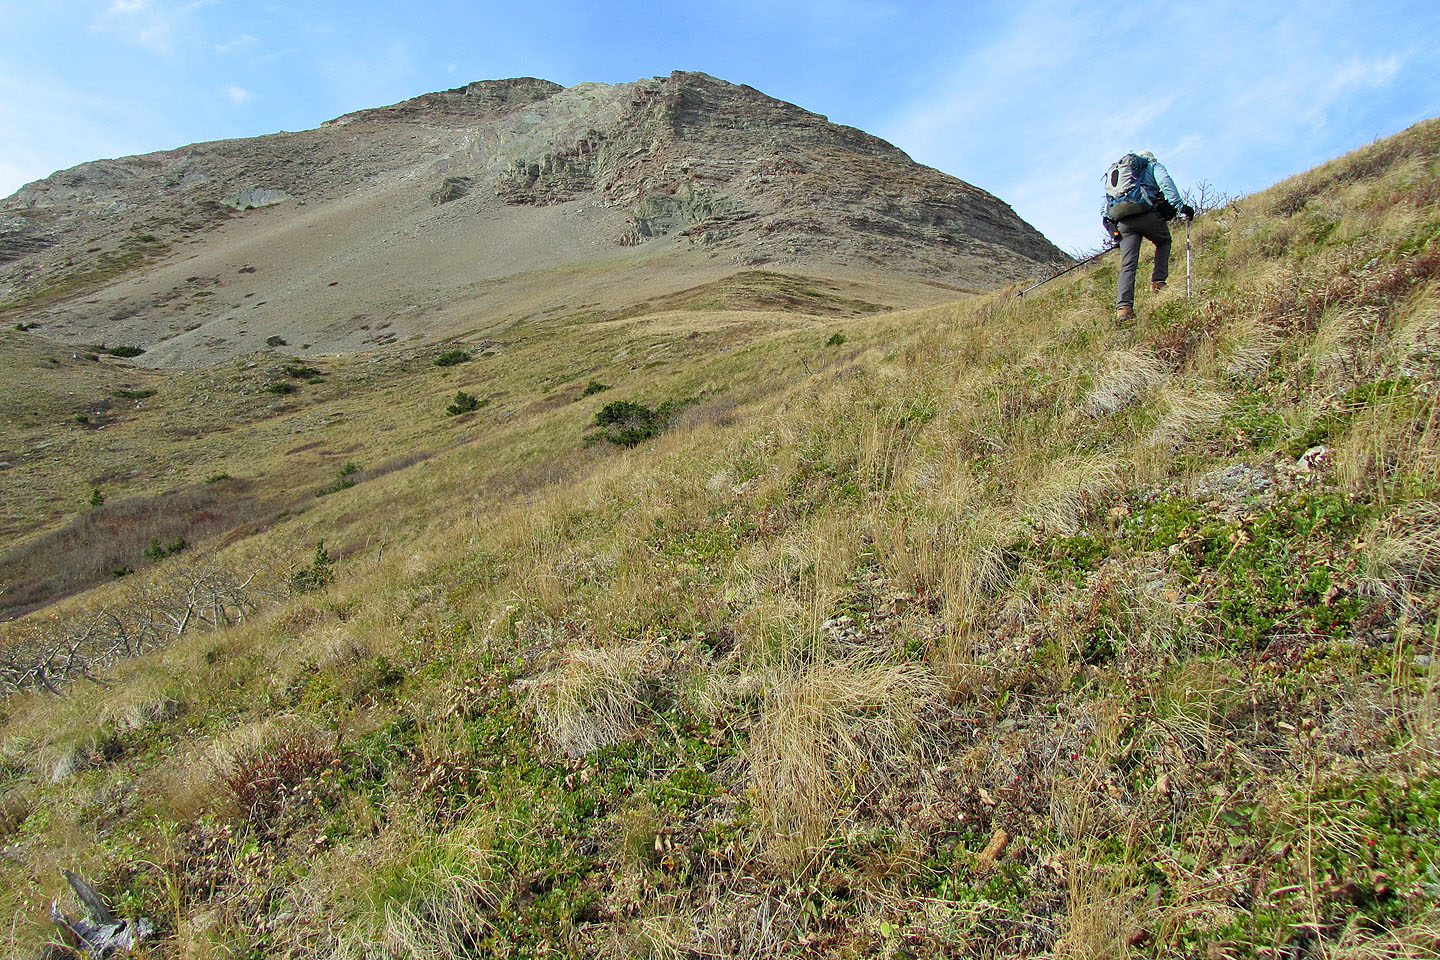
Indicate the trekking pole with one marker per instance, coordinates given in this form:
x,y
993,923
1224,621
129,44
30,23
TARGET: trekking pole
x,y
1187,258
1073,266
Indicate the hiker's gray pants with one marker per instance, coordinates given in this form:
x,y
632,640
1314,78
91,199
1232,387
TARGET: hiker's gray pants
x,y
1150,227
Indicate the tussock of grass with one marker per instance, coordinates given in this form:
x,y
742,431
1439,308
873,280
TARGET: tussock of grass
x,y
829,732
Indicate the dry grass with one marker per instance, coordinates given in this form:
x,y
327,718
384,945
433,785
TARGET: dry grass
x,y
1124,377
408,893
829,731
592,698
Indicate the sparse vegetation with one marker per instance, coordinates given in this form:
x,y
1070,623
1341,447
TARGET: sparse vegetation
x,y
135,251
133,394
345,479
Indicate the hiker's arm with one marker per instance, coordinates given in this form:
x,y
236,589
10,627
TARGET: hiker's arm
x,y
1167,186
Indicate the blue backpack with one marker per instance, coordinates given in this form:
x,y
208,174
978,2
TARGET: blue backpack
x,y
1127,192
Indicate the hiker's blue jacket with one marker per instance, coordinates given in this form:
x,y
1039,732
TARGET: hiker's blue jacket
x,y
1157,184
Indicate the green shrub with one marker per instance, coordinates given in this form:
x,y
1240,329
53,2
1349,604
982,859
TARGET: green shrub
x,y
451,357
836,339
594,387
125,351
276,341
282,388
300,372
344,483
464,403
158,551
346,480
96,497
319,573
627,423
217,477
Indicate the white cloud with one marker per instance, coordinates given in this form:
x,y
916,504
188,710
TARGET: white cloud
x,y
1034,108
152,24
1366,73
238,94
239,43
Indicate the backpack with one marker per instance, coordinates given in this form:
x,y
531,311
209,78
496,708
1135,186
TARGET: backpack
x,y
1126,192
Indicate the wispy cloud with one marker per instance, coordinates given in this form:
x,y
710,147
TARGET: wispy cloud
x,y
239,43
238,94
1054,91
141,22
1367,73
151,24
46,126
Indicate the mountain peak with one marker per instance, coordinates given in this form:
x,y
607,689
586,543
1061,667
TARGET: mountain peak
x,y
681,178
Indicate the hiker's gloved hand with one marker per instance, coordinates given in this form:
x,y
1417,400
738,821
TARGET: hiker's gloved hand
x,y
1188,212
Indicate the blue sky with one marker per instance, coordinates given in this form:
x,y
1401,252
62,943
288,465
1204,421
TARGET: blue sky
x,y
1029,100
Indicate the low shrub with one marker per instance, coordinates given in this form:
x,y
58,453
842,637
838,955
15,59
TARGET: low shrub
x,y
125,351
301,372
594,387
319,573
627,423
276,341
277,782
158,551
451,358
345,480
464,403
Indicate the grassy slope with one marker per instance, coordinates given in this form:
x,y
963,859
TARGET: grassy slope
x,y
1007,632
77,429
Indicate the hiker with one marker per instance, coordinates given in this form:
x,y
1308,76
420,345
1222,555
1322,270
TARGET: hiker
x,y
1140,198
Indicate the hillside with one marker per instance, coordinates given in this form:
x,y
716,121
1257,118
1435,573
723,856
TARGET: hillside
x,y
989,628
458,214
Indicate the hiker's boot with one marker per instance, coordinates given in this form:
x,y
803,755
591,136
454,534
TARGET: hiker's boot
x,y
1157,285
1125,311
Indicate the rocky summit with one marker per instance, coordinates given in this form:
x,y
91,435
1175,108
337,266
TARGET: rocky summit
x,y
463,211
